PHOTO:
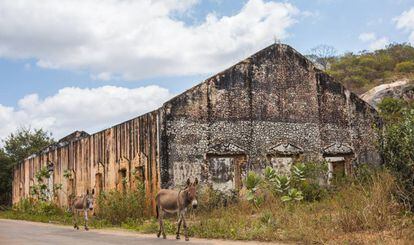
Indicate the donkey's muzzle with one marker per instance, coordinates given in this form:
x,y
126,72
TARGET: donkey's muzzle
x,y
194,203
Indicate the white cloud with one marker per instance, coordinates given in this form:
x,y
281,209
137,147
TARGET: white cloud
x,y
379,43
367,36
136,39
374,42
73,109
406,22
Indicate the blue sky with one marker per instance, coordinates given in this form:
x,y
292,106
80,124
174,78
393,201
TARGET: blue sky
x,y
95,48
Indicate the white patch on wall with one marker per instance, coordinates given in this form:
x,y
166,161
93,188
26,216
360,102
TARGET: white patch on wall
x,y
282,165
222,173
185,170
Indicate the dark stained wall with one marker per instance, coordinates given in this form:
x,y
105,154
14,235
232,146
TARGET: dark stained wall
x,y
272,108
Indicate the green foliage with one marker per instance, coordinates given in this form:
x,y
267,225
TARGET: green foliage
x,y
292,195
282,183
118,207
67,174
252,184
405,67
5,178
38,207
17,147
303,182
360,72
396,145
391,109
210,199
252,181
40,189
269,174
360,212
26,142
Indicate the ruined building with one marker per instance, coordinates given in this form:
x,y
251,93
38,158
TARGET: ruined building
x,y
272,108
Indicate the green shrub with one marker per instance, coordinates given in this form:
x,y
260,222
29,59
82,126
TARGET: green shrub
x,y
209,199
118,207
405,67
396,146
252,183
38,207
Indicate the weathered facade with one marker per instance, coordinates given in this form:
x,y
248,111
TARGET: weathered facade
x,y
273,108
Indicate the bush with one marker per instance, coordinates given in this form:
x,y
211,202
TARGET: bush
x,y
365,206
210,199
396,145
405,67
119,207
38,207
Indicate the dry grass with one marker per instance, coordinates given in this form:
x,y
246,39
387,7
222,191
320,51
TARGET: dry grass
x,y
358,213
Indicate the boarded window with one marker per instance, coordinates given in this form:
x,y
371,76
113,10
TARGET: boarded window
x,y
226,171
98,183
122,180
222,173
281,164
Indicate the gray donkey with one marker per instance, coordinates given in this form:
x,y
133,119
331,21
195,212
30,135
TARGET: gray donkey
x,y
83,203
171,201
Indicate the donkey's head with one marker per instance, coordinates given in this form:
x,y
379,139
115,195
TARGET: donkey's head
x,y
88,201
192,192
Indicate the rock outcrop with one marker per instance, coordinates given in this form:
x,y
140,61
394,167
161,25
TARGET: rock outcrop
x,y
402,89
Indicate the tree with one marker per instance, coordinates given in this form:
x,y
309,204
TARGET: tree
x,y
26,142
5,178
17,147
397,144
322,54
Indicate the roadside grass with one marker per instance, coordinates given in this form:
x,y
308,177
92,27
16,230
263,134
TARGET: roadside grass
x,y
356,213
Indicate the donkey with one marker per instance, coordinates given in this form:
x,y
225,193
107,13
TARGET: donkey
x,y
171,201
83,203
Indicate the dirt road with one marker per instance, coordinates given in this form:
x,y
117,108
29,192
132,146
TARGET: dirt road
x,y
13,232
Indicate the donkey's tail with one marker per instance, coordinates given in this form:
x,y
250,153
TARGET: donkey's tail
x,y
156,208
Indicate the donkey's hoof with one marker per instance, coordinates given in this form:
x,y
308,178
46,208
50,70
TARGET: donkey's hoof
x,y
177,237
86,229
158,235
164,237
187,239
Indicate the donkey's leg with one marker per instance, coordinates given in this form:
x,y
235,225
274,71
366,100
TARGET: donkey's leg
x,y
75,219
86,219
185,226
179,225
162,225
159,221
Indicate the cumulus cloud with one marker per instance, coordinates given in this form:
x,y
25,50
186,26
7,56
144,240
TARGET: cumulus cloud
x,y
367,36
406,22
374,42
74,108
137,39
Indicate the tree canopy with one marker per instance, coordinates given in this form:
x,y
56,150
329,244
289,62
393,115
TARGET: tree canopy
x,y
17,146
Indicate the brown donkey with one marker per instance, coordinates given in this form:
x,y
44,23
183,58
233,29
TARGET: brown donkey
x,y
83,203
171,201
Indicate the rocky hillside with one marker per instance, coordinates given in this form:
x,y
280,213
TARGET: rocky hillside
x,y
401,89
364,70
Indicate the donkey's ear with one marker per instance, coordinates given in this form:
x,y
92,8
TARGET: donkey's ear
x,y
196,181
93,191
188,181
87,192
